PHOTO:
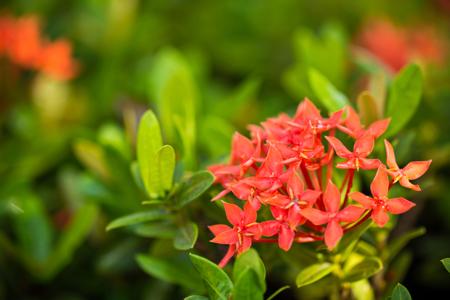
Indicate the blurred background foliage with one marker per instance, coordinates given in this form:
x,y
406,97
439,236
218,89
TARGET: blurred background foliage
x,y
207,68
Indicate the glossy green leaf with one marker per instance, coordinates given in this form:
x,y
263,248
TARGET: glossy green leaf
x,y
139,217
250,259
156,229
192,187
446,263
175,92
217,282
362,290
186,236
328,95
247,286
166,160
176,270
364,269
149,141
404,97
314,273
78,229
400,292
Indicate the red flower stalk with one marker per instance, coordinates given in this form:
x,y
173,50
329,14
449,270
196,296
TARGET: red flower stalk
x,y
280,169
22,42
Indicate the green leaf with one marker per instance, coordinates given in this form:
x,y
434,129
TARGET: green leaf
x,y
400,293
247,286
364,269
175,92
350,239
362,290
367,108
166,160
192,187
176,270
217,282
399,243
404,97
155,229
139,217
186,236
72,237
250,259
314,273
329,96
446,263
92,157
149,141
277,292
33,228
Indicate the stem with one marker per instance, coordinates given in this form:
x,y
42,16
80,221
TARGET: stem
x,y
266,241
315,181
349,186
319,172
344,182
306,175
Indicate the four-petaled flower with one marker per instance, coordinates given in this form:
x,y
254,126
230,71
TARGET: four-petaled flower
x,y
358,158
240,236
379,203
411,171
332,216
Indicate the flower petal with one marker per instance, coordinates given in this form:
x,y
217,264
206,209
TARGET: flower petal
x,y
295,184
350,214
368,163
219,228
242,148
366,201
390,156
407,184
226,237
285,238
332,197
246,244
379,216
364,145
416,169
310,196
249,213
317,217
377,128
337,145
233,213
380,184
333,234
269,228
399,205
230,253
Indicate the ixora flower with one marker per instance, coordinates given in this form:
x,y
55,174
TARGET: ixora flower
x,y
285,169
396,46
22,42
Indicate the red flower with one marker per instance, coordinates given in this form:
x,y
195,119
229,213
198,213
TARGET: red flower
x,y
240,236
280,226
379,203
357,159
412,171
332,216
353,127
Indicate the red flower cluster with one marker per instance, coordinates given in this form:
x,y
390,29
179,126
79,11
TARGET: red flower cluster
x,y
22,43
287,166
396,46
